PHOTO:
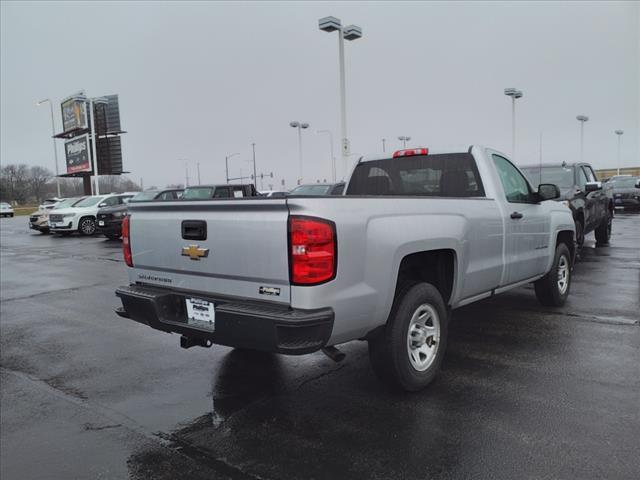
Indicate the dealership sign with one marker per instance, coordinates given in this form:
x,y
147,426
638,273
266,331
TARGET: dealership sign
x,y
74,114
77,153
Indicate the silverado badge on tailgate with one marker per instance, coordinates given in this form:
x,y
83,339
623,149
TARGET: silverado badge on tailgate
x,y
194,252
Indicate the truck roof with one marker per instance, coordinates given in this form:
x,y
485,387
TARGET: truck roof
x,y
432,151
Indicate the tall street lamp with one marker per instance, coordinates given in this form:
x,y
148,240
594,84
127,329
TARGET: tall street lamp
x,y
53,132
582,119
226,164
404,139
514,93
619,133
300,126
331,157
350,32
384,141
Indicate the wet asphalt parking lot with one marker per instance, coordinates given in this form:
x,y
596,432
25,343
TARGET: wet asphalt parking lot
x,y
525,391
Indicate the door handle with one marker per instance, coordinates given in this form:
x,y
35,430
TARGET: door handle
x,y
516,215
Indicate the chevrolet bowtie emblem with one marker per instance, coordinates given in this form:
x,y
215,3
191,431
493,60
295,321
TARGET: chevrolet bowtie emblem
x,y
194,252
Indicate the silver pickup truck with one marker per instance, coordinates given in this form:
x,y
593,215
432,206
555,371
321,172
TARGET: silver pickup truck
x,y
412,237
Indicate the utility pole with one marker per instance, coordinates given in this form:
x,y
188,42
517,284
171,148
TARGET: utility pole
x,y
383,145
198,167
186,173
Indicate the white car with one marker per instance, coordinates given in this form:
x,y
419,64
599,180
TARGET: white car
x,y
81,217
6,210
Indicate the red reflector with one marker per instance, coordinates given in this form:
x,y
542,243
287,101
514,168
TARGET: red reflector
x,y
411,152
312,258
126,242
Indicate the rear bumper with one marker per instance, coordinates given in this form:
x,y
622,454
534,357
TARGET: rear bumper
x,y
239,323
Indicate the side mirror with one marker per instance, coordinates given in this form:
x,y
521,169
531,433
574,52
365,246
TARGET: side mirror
x,y
100,205
548,191
592,187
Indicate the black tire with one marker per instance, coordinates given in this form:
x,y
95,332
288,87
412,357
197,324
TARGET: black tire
x,y
579,233
390,351
11,215
549,290
112,236
87,226
44,232
603,232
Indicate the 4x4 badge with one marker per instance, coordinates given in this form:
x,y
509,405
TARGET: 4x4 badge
x,y
194,252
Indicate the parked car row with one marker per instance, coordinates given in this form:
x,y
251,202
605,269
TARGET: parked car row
x,y
103,214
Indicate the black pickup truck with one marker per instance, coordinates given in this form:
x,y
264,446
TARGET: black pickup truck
x,y
590,202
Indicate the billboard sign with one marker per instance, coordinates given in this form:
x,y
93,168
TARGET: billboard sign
x,y
77,153
74,114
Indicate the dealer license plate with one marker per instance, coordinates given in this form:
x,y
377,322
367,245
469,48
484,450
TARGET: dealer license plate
x,y
201,313
100,223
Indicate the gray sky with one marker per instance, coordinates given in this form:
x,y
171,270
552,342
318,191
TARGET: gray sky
x,y
201,80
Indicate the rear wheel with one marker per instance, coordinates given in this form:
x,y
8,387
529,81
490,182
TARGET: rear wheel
x,y
409,352
553,289
87,226
603,232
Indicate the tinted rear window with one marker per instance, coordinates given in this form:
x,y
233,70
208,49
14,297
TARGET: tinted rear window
x,y
442,175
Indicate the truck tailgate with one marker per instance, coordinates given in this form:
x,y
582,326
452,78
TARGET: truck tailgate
x,y
244,253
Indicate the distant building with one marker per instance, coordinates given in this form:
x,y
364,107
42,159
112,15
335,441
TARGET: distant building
x,y
610,172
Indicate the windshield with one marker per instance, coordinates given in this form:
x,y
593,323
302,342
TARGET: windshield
x,y
629,182
560,176
69,202
311,190
89,201
4,205
144,196
197,193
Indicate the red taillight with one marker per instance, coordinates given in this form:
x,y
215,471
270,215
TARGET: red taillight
x,y
312,258
126,242
411,152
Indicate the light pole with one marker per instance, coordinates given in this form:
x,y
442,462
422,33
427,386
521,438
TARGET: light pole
x,y
514,93
404,139
350,32
619,133
53,132
255,178
198,167
226,164
300,126
383,145
333,159
186,172
582,119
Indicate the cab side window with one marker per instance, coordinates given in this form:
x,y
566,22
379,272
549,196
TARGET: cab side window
x,y
222,192
515,185
582,178
591,177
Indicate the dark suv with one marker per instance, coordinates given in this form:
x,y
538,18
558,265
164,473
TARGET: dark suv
x,y
590,202
110,218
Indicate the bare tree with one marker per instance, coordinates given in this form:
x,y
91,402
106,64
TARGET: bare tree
x,y
14,182
38,179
